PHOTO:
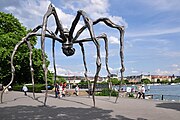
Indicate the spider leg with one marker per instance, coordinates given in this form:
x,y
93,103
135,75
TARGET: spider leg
x,y
51,10
88,22
54,65
24,40
85,66
30,64
98,68
53,42
104,37
109,23
44,27
54,62
12,67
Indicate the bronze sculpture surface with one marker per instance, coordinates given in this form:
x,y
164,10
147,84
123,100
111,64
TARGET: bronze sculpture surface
x,y
66,38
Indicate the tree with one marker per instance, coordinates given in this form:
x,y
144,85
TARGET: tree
x,y
177,80
59,79
83,82
145,81
11,32
158,81
114,81
164,82
125,82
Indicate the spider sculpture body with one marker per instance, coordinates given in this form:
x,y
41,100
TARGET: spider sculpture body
x,y
66,38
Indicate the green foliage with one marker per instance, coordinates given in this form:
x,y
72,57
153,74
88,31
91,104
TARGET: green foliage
x,y
176,80
37,88
11,32
131,95
83,82
104,82
114,81
164,82
145,81
51,81
106,92
60,79
50,78
125,82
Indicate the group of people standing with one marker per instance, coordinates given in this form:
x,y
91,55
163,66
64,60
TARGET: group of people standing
x,y
60,90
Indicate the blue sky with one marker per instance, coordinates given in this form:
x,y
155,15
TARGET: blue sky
x,y
152,35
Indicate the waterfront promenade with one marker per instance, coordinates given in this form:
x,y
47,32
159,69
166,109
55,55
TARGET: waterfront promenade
x,y
17,106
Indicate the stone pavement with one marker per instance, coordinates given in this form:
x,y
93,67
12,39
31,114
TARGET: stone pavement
x,y
17,106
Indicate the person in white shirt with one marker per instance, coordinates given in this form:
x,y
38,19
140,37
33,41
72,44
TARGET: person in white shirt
x,y
25,89
143,90
76,90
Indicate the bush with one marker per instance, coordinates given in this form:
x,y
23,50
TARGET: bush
x,y
131,95
37,88
106,92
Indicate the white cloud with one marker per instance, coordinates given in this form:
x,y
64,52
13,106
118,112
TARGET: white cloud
x,y
65,71
118,20
175,69
134,72
94,9
29,12
162,72
153,32
112,70
128,44
59,70
169,53
113,40
175,65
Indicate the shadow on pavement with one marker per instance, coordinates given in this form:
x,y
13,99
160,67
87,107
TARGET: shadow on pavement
x,y
59,113
175,106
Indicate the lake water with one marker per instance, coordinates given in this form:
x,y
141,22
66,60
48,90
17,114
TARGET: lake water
x,y
160,92
169,92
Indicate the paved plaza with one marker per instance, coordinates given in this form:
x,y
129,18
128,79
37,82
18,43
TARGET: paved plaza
x,y
17,106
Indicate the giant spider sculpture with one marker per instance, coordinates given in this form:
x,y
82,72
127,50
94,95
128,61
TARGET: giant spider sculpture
x,y
65,37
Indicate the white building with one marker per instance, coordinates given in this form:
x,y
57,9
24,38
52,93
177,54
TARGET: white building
x,y
152,78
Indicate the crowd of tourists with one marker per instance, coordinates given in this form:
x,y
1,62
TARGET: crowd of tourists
x,y
61,91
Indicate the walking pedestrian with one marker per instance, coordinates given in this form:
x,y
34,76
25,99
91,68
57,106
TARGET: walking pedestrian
x,y
60,90
139,92
76,90
25,89
143,90
64,89
56,90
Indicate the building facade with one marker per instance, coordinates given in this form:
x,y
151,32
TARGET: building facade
x,y
152,78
